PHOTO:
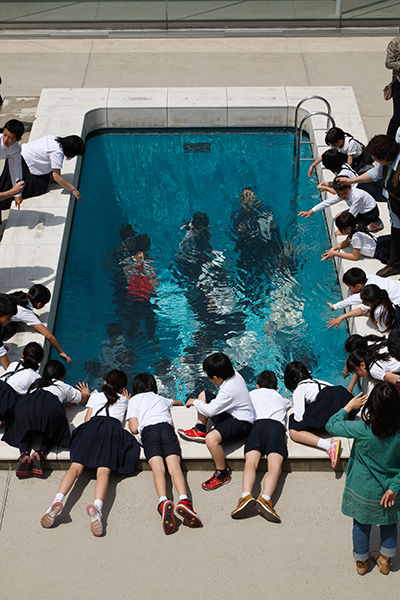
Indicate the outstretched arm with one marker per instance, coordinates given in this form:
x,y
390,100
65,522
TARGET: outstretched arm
x,y
64,183
42,329
313,165
357,312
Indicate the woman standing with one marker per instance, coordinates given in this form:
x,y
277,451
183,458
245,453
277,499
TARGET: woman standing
x,y
373,473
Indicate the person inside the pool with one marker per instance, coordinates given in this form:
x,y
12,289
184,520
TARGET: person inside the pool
x,y
250,221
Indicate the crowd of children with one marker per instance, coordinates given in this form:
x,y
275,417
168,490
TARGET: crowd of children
x,y
32,406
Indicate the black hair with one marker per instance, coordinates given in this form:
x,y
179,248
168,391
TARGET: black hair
x,y
360,342
382,410
393,343
32,355
139,243
354,360
383,147
355,276
294,373
334,135
338,187
333,160
16,127
373,354
218,365
37,294
72,145
267,379
346,219
114,383
53,370
200,221
126,231
142,383
379,298
7,305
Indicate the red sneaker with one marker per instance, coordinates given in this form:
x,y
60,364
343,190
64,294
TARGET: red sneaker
x,y
24,465
216,480
184,510
37,463
166,510
192,435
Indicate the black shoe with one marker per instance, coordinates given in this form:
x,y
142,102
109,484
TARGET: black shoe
x,y
388,271
24,465
37,463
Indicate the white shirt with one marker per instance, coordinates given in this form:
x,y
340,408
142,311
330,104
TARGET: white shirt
x,y
149,409
43,155
358,202
378,369
13,153
305,393
269,404
233,397
391,286
375,174
63,391
99,399
350,146
347,171
21,379
365,243
26,315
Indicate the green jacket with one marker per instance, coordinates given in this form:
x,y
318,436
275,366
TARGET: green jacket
x,y
374,467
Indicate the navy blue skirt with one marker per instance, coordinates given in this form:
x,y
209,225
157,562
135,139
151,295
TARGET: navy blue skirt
x,y
39,411
102,442
8,399
328,401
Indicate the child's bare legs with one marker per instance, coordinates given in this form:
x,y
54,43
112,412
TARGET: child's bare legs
x,y
275,462
102,481
252,460
165,507
95,510
174,469
156,464
332,447
67,482
213,443
304,437
202,419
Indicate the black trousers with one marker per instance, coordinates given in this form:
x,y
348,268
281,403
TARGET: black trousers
x,y
394,260
394,122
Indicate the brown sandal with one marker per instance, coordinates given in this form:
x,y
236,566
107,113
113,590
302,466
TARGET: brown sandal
x,y
383,562
362,566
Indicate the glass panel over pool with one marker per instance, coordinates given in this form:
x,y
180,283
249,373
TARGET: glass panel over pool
x,y
216,259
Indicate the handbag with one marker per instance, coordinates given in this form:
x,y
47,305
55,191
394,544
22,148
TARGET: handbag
x,y
387,90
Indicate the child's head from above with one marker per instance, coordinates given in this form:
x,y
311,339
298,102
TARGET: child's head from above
x,y
346,223
143,383
382,410
393,344
333,160
218,368
39,295
199,222
335,137
72,145
355,342
371,294
54,369
383,149
355,279
138,246
294,373
247,199
356,363
8,309
342,189
114,383
13,131
32,355
267,379
126,231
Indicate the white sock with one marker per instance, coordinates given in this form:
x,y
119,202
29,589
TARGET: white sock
x,y
245,494
183,497
59,498
162,498
99,505
324,444
266,497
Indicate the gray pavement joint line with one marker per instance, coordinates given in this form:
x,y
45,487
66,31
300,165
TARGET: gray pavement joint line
x,y
5,495
304,63
87,63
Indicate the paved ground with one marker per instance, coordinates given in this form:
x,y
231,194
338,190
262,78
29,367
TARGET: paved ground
x,y
309,554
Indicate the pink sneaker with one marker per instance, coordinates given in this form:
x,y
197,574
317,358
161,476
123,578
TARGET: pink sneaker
x,y
51,513
96,526
334,452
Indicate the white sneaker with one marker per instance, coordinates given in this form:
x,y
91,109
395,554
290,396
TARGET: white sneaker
x,y
96,526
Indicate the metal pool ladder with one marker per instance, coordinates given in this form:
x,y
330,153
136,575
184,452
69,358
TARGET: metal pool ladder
x,y
298,130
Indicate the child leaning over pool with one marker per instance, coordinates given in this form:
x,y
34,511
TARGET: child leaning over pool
x,y
267,436
230,410
150,415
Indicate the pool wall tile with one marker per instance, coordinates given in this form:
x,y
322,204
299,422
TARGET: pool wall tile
x,y
197,107
120,118
73,101
257,117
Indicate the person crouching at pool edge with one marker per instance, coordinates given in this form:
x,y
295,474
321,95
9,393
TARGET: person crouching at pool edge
x,y
231,412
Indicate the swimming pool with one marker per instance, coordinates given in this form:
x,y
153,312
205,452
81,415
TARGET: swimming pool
x,y
253,287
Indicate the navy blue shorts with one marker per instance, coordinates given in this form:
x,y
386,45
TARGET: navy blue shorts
x,y
230,429
267,435
160,440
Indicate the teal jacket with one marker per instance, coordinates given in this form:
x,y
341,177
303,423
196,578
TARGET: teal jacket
x,y
374,467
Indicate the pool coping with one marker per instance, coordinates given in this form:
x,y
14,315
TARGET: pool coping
x,y
35,240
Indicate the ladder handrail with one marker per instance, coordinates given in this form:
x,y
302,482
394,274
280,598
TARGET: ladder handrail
x,y
300,133
313,97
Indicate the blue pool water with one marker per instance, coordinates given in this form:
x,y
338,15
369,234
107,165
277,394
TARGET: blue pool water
x,y
251,286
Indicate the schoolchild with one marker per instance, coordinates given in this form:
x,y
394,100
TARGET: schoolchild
x,y
11,185
314,402
360,239
360,203
355,279
8,309
374,361
231,412
353,149
267,436
150,415
36,297
17,380
99,443
393,345
41,410
371,493
358,342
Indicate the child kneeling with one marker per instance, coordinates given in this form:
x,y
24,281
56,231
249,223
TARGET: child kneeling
x,y
150,415
267,436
